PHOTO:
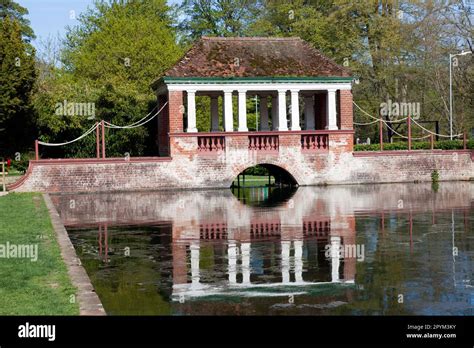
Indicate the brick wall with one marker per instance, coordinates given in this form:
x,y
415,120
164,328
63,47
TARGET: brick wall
x,y
190,169
163,127
176,109
346,112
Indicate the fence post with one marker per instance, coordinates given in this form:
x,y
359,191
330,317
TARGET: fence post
x,y
97,140
464,140
409,132
3,175
381,134
36,150
103,139
432,141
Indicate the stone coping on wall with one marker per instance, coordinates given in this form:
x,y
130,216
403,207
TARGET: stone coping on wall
x,y
288,132
87,298
100,160
409,152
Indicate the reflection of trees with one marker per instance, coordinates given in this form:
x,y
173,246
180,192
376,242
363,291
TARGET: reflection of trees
x,y
264,196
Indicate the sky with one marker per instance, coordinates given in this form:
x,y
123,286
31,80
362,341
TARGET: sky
x,y
51,17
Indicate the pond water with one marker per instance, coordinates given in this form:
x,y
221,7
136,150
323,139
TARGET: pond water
x,y
341,250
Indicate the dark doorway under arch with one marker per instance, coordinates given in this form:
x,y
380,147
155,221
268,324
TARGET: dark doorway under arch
x,y
282,177
264,185
265,175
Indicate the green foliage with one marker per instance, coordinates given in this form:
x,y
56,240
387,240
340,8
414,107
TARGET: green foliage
x,y
120,46
22,164
417,145
216,18
434,176
17,77
393,47
256,170
12,10
110,59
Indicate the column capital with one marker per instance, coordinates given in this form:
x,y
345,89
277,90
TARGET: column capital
x,y
240,91
191,91
227,90
294,90
331,90
282,91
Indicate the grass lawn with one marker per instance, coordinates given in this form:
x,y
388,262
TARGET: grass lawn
x,y
29,287
254,180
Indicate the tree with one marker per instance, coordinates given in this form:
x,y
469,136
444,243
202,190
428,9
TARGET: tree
x,y
216,17
10,9
110,59
17,78
397,49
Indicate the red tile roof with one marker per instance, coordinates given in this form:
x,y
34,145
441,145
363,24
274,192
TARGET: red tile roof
x,y
255,57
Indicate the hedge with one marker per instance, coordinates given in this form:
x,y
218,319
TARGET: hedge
x,y
416,145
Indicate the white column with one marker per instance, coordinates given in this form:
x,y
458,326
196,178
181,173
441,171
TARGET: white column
x,y
242,111
194,264
282,123
309,119
214,114
274,113
298,244
264,113
232,259
245,248
335,246
228,116
331,110
285,261
191,111
295,110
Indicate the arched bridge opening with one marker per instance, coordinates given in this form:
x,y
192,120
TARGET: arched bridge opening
x,y
265,174
264,185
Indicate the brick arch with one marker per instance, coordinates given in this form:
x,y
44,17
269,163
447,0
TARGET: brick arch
x,y
272,166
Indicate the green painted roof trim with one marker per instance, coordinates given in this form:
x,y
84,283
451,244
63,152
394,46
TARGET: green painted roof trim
x,y
185,80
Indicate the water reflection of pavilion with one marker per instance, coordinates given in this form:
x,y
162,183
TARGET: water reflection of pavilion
x,y
289,243
312,218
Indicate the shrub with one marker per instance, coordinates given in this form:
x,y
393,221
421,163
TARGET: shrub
x,y
22,164
416,145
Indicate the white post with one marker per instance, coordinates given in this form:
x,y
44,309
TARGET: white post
x,y
191,111
214,114
298,244
450,98
282,122
194,264
256,112
242,111
228,116
232,259
335,246
309,120
245,248
274,113
331,110
285,261
451,56
264,114
295,110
